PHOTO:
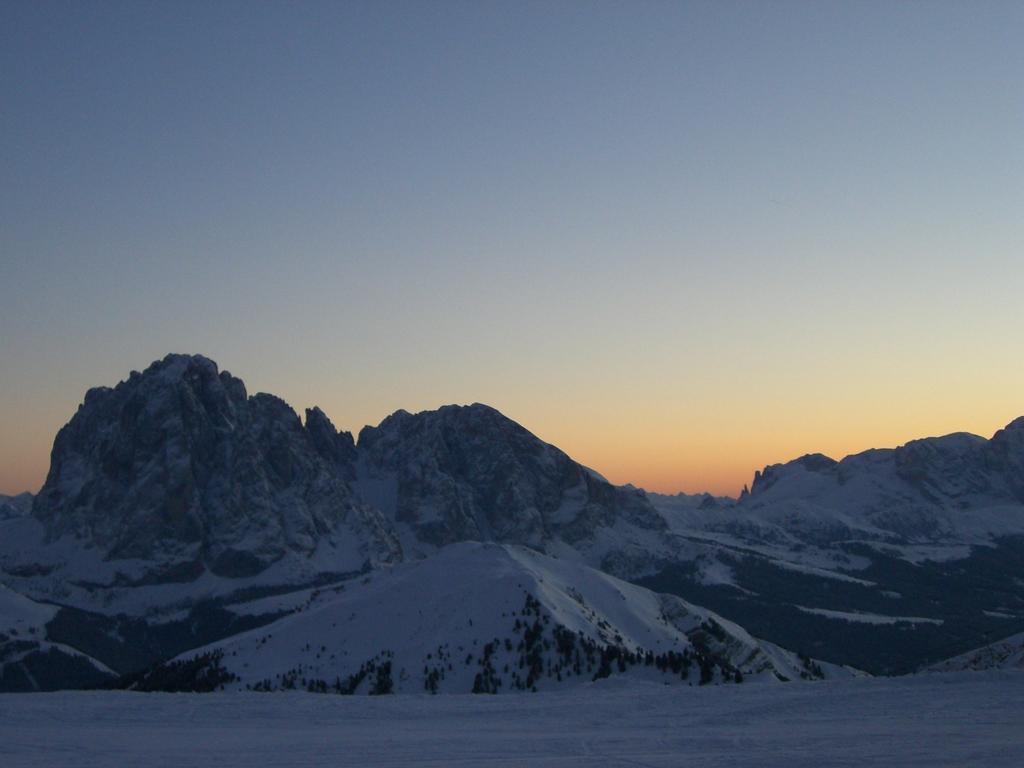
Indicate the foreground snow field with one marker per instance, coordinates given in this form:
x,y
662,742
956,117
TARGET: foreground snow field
x,y
929,720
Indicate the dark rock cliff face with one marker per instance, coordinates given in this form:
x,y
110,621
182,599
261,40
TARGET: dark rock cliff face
x,y
178,465
470,473
945,467
1004,454
336,447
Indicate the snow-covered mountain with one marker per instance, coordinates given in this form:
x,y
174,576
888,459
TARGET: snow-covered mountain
x,y
468,473
876,560
484,618
179,467
176,486
956,489
929,498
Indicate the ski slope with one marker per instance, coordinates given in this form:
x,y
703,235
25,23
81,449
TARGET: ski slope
x,y
928,720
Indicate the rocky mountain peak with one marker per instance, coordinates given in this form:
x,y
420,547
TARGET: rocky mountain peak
x,y
477,418
471,473
338,447
178,466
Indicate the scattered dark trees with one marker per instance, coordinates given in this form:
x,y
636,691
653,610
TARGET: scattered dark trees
x,y
200,674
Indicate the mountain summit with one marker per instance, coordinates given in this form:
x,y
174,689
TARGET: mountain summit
x,y
469,473
180,467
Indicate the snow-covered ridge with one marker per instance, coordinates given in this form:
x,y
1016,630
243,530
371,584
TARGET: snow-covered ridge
x,y
932,498
867,618
488,618
1007,653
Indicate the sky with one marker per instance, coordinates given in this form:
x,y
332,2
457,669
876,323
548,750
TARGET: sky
x,y
680,241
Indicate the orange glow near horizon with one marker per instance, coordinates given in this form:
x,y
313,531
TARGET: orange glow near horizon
x,y
723,467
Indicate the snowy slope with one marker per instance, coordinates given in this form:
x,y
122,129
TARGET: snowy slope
x,y
21,616
495,618
1007,653
938,721
28,660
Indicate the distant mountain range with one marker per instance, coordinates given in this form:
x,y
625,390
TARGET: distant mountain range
x,y
184,519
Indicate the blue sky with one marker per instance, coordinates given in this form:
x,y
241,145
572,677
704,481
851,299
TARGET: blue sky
x,y
680,240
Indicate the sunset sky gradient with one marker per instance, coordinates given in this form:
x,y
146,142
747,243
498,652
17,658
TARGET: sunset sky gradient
x,y
678,240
